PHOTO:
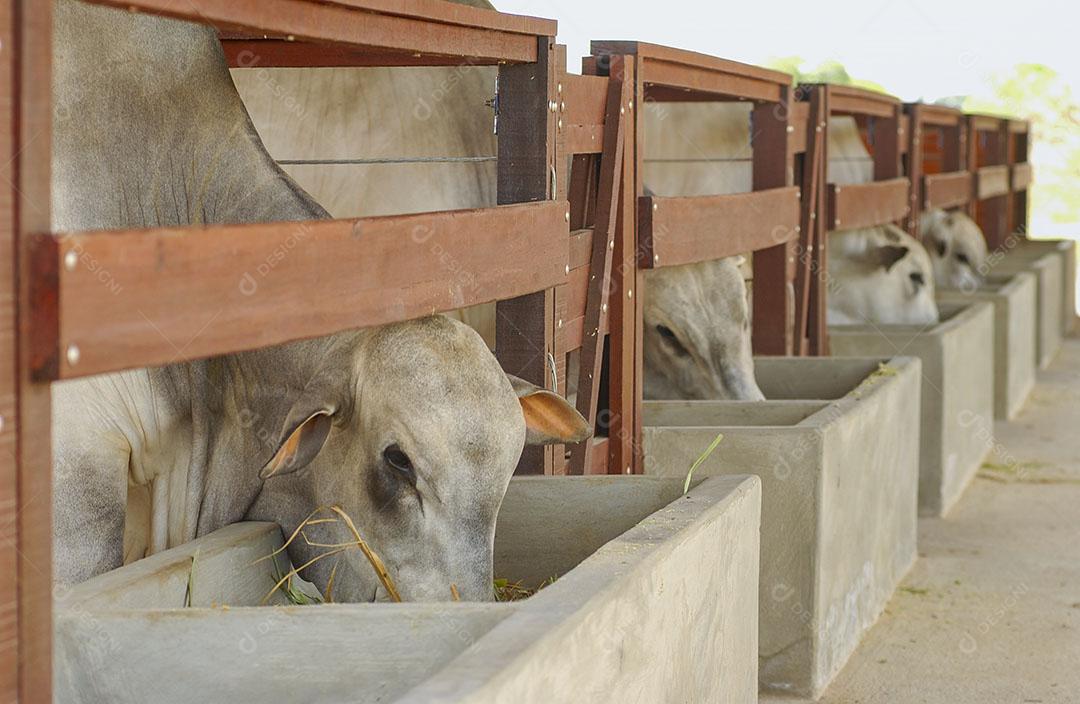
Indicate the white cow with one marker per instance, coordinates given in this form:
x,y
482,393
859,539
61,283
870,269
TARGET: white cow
x,y
957,247
878,274
412,428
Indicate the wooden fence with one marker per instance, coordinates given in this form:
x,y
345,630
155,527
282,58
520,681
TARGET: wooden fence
x,y
563,254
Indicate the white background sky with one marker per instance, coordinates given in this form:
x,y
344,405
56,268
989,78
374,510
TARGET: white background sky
x,y
914,48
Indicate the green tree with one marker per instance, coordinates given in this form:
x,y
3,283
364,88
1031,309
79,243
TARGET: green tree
x,y
830,71
1037,93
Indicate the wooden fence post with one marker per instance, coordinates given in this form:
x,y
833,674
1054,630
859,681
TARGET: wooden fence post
x,y
524,326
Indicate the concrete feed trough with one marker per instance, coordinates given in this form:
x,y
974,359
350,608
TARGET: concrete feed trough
x,y
1050,270
957,392
1015,359
1066,249
839,489
649,581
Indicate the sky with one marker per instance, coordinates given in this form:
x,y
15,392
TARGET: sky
x,y
914,48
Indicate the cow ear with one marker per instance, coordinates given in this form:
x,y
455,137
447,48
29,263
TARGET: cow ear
x,y
549,419
886,256
300,443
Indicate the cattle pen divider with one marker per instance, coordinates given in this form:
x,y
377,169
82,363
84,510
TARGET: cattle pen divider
x,y
936,163
987,158
1018,154
771,220
193,292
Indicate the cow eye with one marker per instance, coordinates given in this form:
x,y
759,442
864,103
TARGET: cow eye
x,y
917,278
962,258
400,463
672,340
941,247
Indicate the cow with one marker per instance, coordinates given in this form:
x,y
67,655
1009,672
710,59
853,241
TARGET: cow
x,y
696,334
311,114
879,275
957,247
876,275
412,428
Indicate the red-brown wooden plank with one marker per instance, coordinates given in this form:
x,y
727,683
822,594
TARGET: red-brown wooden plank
x,y
657,52
677,75
9,353
936,115
773,332
946,190
850,100
1021,177
32,49
683,230
619,96
582,99
528,143
415,26
867,204
991,181
985,123
143,298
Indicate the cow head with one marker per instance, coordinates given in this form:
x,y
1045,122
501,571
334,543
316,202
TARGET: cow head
x,y
415,433
957,248
697,333
879,275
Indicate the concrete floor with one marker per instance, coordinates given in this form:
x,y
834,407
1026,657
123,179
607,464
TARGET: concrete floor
x,y
991,611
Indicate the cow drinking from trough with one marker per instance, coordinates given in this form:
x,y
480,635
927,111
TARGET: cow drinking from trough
x,y
412,428
876,274
957,247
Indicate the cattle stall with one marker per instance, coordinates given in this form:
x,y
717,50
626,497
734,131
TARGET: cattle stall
x,y
987,157
771,219
937,160
1018,154
881,124
186,284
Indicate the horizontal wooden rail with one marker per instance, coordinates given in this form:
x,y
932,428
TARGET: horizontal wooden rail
x,y
684,230
991,181
985,123
938,115
106,301
417,28
1019,126
849,100
867,204
679,75
1021,176
946,190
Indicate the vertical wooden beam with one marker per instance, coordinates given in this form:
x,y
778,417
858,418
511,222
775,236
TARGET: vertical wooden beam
x,y
9,467
1017,214
600,261
887,134
28,419
971,158
811,315
524,326
625,322
915,168
773,166
992,213
954,142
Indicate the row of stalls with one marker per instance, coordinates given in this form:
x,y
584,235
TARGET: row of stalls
x,y
710,571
